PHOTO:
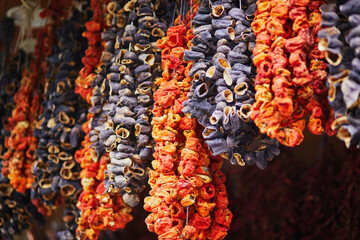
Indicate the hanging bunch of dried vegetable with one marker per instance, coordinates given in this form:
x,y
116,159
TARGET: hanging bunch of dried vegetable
x,y
222,92
56,174
98,210
127,132
91,59
21,144
287,71
342,53
188,197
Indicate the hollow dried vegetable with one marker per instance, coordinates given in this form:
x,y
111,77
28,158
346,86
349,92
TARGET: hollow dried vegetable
x,y
188,196
59,130
288,72
127,132
98,210
341,45
222,92
17,213
10,82
10,77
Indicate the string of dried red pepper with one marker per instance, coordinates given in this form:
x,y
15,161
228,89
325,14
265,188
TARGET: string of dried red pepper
x,y
284,84
188,199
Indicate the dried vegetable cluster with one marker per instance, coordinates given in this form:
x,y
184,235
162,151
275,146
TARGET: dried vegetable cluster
x,y
127,132
98,210
290,71
188,196
16,211
21,144
59,130
222,92
340,42
10,77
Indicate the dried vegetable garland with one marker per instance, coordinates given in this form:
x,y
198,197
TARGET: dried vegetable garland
x,y
59,130
127,137
90,61
99,210
188,197
340,41
21,145
10,77
222,92
286,59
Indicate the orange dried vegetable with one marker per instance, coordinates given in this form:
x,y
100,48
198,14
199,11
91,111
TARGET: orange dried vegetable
x,y
92,56
98,211
188,199
289,77
21,144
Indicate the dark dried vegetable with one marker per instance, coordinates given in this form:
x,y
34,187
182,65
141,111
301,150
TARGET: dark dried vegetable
x,y
340,41
127,132
59,130
222,91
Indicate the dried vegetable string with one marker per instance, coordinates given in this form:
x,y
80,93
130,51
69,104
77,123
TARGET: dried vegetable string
x,y
128,129
56,174
340,42
284,84
222,92
188,198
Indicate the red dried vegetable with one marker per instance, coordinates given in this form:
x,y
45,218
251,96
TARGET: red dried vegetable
x,y
98,211
92,56
21,145
290,72
188,197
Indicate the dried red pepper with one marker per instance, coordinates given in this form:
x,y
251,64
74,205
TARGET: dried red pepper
x,y
289,81
188,199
